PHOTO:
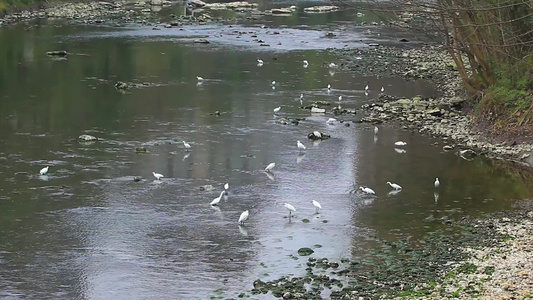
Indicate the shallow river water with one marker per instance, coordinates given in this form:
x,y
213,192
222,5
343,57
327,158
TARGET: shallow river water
x,y
87,230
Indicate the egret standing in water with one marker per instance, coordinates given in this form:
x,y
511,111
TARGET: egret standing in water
x,y
200,79
367,190
376,129
157,176
217,199
317,205
44,170
277,109
273,83
306,63
244,217
400,143
329,87
260,62
301,146
382,89
366,88
226,188
290,208
394,185
270,167
437,182
301,99
187,145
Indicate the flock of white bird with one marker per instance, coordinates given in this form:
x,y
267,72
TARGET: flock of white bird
x,y
301,147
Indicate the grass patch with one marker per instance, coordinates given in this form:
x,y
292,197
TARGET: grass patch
x,y
467,268
489,270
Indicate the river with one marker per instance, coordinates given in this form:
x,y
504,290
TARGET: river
x,y
87,230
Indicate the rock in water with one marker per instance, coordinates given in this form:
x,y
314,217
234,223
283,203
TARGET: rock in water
x,y
140,150
305,251
87,138
57,53
121,85
201,41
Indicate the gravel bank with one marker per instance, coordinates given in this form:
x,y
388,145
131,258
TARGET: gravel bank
x,y
442,117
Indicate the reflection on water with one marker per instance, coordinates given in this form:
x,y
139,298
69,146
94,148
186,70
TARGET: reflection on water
x,y
99,224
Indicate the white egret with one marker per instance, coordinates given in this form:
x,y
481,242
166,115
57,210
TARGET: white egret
x,y
376,129
301,146
331,121
317,205
270,167
226,188
340,98
367,190
290,208
332,65
400,143
187,145
306,63
200,79
437,182
394,185
329,87
244,217
260,62
44,170
366,88
273,83
301,99
317,134
382,89
157,176
277,109
217,199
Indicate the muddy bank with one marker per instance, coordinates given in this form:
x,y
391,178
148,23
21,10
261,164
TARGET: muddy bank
x,y
443,117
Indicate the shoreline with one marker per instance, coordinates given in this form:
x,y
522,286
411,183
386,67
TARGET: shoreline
x,y
444,117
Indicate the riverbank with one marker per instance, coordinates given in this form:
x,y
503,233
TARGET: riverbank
x,y
446,117
487,258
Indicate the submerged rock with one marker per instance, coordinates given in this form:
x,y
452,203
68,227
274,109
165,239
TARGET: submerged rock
x,y
207,187
318,110
121,85
467,154
305,251
319,136
201,41
87,138
321,8
140,150
57,53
